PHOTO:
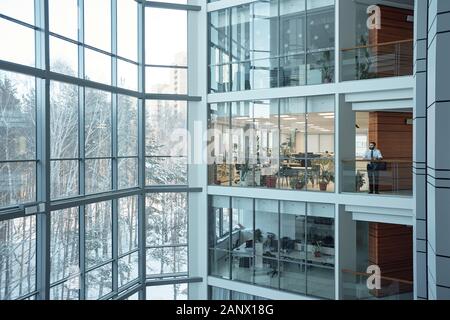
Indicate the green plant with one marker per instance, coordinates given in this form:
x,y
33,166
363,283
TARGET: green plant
x,y
258,235
326,173
360,180
298,182
326,170
326,177
327,70
364,63
317,248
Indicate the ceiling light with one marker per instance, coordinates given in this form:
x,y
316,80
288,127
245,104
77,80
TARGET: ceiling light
x,y
326,114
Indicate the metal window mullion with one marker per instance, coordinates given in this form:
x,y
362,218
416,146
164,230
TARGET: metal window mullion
x,y
305,39
279,245
306,248
141,149
43,151
114,150
81,151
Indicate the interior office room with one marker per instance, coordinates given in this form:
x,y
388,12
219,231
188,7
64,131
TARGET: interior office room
x,y
224,150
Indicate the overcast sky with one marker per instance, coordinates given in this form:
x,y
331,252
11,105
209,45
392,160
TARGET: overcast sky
x,y
165,34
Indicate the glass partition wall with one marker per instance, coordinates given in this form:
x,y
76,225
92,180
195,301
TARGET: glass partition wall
x,y
271,44
279,143
93,162
283,245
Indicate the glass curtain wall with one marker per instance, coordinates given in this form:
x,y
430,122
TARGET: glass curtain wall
x,y
279,143
270,44
284,245
85,149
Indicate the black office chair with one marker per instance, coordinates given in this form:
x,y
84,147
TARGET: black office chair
x,y
273,264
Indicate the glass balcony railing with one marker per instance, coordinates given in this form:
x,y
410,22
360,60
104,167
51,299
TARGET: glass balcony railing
x,y
390,59
355,287
387,177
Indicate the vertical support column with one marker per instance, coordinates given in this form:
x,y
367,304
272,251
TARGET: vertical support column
x,y
114,149
420,150
438,154
141,143
197,161
347,244
81,151
345,139
43,152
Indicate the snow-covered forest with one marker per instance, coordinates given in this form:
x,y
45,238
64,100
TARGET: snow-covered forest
x,y
166,213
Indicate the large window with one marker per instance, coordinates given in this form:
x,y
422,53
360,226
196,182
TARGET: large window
x,y
166,142
280,143
269,44
17,139
166,52
166,234
85,149
18,257
284,245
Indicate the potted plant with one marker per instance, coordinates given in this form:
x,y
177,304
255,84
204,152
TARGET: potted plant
x,y
325,173
360,180
363,63
327,70
298,182
325,178
258,235
271,181
317,249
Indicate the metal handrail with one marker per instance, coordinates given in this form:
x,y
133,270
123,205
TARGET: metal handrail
x,y
379,161
381,277
379,45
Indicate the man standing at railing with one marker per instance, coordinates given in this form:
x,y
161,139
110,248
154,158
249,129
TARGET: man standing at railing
x,y
374,155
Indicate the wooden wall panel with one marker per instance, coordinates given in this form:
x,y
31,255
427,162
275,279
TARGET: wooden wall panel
x,y
394,139
391,248
393,60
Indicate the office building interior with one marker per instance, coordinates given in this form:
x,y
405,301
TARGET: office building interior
x,y
223,150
